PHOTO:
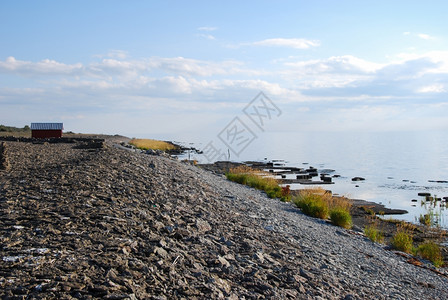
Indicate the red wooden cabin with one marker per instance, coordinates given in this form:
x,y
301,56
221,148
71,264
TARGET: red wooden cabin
x,y
46,130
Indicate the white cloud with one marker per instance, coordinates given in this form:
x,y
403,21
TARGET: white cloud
x,y
435,88
46,66
291,43
207,28
118,54
207,36
182,85
425,36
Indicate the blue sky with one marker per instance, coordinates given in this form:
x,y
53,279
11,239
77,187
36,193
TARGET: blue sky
x,y
172,69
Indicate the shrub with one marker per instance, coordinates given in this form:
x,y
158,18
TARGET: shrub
x,y
286,193
340,216
373,233
402,240
319,203
313,202
431,251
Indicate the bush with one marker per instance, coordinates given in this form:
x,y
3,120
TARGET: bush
x,y
339,216
319,203
402,241
431,251
372,232
313,202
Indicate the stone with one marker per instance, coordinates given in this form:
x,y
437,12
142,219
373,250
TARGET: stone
x,y
358,179
115,223
4,160
202,226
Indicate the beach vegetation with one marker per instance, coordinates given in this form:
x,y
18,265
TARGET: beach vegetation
x,y
259,180
319,203
341,217
402,240
431,251
373,233
425,219
313,202
368,210
146,144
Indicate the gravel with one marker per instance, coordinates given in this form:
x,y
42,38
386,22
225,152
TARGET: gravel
x,y
88,222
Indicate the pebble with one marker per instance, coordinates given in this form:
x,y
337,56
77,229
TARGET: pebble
x,y
91,220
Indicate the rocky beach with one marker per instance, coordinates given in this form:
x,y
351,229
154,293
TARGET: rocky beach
x,y
87,219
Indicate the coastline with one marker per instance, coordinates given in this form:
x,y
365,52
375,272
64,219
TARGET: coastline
x,y
104,222
365,213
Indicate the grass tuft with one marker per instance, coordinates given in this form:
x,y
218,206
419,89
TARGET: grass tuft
x,y
259,180
340,216
319,203
402,240
373,233
431,251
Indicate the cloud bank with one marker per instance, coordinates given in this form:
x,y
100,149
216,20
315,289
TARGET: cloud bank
x,y
338,88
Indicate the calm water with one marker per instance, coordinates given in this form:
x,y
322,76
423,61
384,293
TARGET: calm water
x,y
397,166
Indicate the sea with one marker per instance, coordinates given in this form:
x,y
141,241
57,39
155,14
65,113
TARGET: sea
x,y
397,166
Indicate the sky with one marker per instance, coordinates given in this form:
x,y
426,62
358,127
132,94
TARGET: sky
x,y
185,69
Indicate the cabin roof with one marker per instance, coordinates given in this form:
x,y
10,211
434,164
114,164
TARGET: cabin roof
x,y
47,126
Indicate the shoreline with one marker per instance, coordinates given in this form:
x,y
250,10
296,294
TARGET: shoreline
x,y
365,213
159,227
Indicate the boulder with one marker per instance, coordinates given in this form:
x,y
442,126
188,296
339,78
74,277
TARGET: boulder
x,y
358,179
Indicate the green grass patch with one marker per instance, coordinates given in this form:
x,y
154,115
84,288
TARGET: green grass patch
x,y
146,144
319,203
312,204
339,216
259,180
373,233
431,251
402,240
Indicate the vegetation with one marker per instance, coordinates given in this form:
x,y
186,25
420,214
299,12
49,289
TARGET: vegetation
x,y
319,203
313,202
15,131
402,240
431,251
373,233
341,217
4,128
146,144
432,217
425,219
368,210
259,180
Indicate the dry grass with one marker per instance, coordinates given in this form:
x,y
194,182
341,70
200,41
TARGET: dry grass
x,y
146,144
